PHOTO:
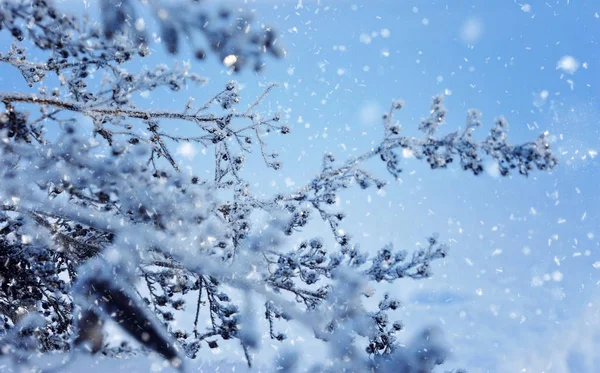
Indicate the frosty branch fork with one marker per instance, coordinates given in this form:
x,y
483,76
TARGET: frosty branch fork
x,y
216,128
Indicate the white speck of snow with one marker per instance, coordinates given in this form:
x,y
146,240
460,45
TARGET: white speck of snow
x,y
230,60
187,150
539,99
470,263
163,14
526,250
557,261
425,21
494,309
593,153
415,9
557,276
471,31
596,265
385,53
140,25
289,182
568,64
526,8
407,153
365,38
571,84
112,255
479,292
370,113
492,169
385,33
536,282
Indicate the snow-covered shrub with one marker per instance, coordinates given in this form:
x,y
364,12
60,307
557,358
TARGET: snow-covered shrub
x,y
97,222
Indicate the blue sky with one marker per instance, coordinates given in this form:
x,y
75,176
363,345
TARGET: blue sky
x,y
522,272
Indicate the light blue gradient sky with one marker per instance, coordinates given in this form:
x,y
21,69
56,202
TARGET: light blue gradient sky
x,y
497,310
